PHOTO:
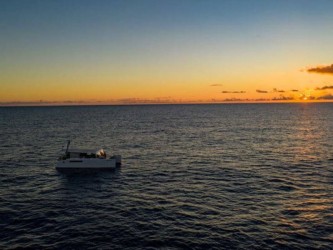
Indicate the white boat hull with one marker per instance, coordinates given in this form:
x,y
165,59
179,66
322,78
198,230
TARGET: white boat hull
x,y
88,164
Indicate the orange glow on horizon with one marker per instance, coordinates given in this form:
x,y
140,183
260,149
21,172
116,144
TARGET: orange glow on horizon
x,y
197,88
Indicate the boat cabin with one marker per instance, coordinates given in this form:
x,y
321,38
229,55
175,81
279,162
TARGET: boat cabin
x,y
84,153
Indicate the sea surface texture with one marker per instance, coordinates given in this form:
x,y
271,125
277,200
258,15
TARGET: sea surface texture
x,y
232,176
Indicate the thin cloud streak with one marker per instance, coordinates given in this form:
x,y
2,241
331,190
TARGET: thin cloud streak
x,y
325,97
235,100
278,90
322,69
233,92
325,88
283,98
261,91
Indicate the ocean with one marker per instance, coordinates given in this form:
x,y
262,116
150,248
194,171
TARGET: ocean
x,y
224,176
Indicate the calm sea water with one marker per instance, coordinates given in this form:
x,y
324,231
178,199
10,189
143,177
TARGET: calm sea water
x,y
247,176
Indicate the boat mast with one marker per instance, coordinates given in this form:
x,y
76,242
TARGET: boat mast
x,y
68,142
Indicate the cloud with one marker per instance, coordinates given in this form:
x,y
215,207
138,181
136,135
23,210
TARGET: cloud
x,y
322,69
325,97
233,92
216,85
325,87
158,100
278,90
283,98
294,90
235,100
262,100
261,91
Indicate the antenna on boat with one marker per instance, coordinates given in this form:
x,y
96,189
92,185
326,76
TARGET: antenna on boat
x,y
68,142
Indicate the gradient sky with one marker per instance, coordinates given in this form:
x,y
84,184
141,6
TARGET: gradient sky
x,y
165,51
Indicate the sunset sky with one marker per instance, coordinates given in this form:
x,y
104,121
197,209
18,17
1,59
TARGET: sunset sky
x,y
141,51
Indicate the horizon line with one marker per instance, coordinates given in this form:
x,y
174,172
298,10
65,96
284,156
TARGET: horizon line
x,y
81,103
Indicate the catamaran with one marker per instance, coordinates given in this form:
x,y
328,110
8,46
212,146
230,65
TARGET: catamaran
x,y
86,159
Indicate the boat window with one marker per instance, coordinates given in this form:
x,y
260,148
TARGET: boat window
x,y
75,155
83,155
